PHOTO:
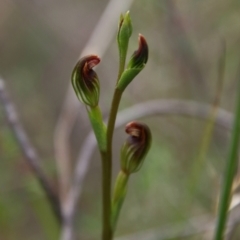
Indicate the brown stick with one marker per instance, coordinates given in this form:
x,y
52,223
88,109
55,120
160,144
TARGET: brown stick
x,y
28,150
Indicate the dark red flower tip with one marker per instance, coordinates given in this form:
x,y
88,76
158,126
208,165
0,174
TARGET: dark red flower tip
x,y
136,146
140,56
138,133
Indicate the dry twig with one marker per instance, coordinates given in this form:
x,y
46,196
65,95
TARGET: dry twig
x,y
28,150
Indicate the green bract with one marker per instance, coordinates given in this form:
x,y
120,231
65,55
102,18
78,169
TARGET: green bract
x,y
136,147
124,34
136,64
85,81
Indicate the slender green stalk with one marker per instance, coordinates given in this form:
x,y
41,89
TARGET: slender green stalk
x,y
106,200
124,33
99,128
107,160
107,168
119,194
121,67
112,118
114,109
229,174
106,156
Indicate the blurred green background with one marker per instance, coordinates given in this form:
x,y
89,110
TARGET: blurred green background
x,y
40,41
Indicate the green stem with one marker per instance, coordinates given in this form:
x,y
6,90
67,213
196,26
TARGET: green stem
x,y
121,66
99,128
119,194
107,168
106,200
107,233
112,119
229,175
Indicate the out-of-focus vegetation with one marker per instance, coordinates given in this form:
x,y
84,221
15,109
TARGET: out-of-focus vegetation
x,y
39,44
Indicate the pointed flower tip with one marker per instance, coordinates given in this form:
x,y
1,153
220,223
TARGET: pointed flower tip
x,y
125,22
139,132
120,22
92,61
127,16
140,56
85,81
143,47
136,146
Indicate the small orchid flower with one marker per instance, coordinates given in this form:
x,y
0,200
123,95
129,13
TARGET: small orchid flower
x,y
136,147
85,80
136,64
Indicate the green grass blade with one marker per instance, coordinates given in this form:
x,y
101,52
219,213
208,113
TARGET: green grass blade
x,y
229,174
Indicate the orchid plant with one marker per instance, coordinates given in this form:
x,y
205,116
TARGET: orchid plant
x,y
86,85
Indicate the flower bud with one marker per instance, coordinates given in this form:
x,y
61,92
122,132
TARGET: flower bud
x,y
136,147
123,36
85,81
140,56
136,64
